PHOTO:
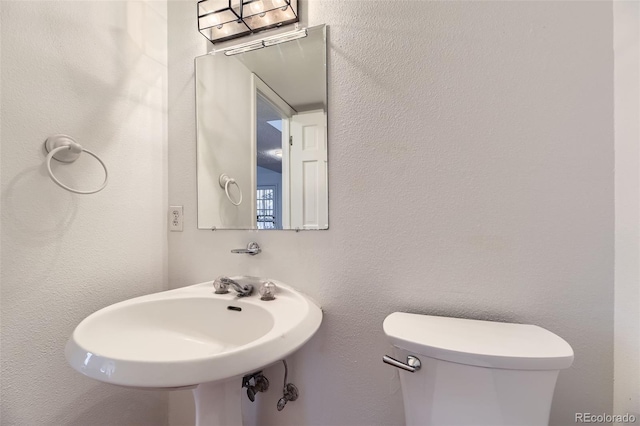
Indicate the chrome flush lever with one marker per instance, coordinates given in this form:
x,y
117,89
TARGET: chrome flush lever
x,y
252,248
413,364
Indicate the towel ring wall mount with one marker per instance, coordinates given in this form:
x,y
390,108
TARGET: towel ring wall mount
x,y
65,149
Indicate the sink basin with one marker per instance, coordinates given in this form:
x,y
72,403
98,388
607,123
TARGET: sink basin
x,y
190,336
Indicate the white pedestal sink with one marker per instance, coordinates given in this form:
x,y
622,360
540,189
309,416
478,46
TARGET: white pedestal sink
x,y
192,337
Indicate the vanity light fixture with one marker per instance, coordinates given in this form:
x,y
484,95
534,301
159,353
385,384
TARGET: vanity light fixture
x,y
221,20
244,48
259,44
293,35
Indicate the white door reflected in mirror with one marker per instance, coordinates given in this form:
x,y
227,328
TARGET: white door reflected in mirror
x,y
308,171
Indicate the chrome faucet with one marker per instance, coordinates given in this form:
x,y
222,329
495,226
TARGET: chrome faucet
x,y
221,284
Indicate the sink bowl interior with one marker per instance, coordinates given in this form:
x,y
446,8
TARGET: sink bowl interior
x,y
173,329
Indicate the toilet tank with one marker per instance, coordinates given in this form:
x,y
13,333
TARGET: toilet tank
x,y
476,372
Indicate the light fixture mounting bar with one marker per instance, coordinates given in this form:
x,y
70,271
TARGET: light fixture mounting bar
x,y
265,42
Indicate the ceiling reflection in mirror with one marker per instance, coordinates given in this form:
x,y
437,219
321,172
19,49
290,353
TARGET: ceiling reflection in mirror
x,y
262,136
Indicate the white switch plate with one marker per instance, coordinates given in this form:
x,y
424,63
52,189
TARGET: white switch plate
x,y
175,218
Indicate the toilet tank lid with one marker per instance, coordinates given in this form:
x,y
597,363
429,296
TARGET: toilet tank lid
x,y
480,343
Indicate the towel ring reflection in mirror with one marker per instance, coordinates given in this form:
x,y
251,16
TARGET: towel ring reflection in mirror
x,y
225,182
65,149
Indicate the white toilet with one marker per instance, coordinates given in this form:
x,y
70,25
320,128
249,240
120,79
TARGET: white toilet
x,y
469,372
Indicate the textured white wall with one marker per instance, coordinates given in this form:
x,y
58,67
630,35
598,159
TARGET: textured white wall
x,y
97,71
471,174
627,183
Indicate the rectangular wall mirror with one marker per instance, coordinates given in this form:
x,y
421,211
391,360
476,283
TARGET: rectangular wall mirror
x,y
262,135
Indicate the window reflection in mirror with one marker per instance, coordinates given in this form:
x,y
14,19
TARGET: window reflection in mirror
x,y
262,120
269,173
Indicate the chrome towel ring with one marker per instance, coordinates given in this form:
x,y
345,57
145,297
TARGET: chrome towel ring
x,y
65,149
225,182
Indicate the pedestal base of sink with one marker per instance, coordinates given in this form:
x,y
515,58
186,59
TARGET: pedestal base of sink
x,y
218,403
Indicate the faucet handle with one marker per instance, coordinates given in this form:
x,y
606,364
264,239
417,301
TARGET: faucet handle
x,y
267,291
252,248
221,285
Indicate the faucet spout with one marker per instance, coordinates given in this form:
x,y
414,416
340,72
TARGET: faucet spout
x,y
222,283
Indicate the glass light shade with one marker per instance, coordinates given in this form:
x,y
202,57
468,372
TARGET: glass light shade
x,y
220,20
255,7
224,32
227,10
263,14
208,6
